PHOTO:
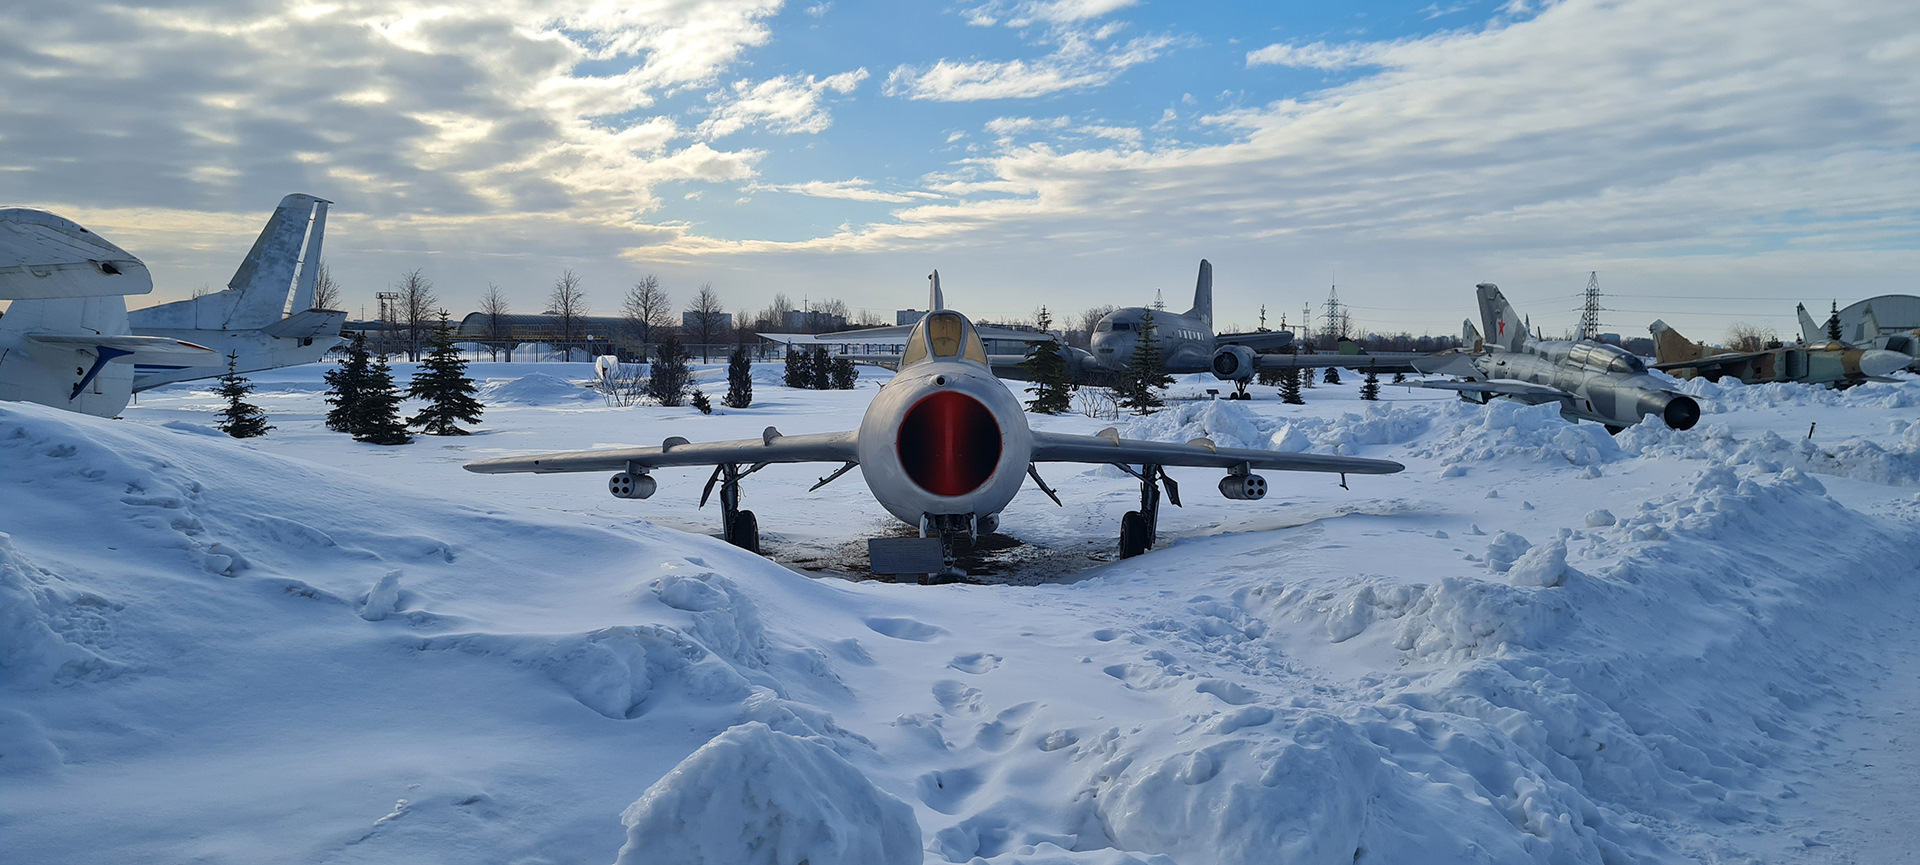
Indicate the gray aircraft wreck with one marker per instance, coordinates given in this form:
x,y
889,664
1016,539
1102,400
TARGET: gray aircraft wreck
x,y
1589,380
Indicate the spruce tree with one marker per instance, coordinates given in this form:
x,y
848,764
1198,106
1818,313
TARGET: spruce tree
x,y
1046,367
345,385
799,369
843,374
240,419
1833,323
739,380
699,400
376,416
1290,381
442,381
668,384
1332,374
822,367
1146,374
1399,377
1370,391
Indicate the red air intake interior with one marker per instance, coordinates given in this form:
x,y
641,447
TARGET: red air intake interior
x,y
949,443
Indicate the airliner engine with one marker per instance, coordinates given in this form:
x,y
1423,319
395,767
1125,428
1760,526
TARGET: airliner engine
x,y
1233,363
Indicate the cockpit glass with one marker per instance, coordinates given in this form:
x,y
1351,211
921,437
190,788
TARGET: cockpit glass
x,y
944,333
1123,325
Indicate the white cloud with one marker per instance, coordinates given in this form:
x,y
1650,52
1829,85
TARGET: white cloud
x,y
1004,126
1320,55
1077,65
848,190
819,10
785,104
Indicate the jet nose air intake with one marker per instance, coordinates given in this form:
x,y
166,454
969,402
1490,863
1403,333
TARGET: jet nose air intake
x,y
949,444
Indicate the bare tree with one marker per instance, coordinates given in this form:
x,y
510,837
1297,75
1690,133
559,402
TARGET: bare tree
x,y
646,309
326,292
493,307
567,304
774,317
419,308
706,318
1742,336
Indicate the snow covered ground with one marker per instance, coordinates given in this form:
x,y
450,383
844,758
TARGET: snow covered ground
x,y
1538,644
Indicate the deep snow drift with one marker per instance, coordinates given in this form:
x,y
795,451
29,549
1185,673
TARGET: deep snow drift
x,y
1538,644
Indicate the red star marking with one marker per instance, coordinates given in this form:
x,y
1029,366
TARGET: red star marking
x,y
1503,327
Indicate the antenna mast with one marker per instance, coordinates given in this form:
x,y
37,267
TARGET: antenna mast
x,y
1334,329
1590,312
1158,302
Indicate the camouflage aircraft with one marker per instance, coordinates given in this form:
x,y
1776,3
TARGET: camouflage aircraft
x,y
1828,363
1589,380
1867,335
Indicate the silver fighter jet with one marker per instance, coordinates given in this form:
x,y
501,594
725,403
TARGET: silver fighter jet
x,y
943,446
1589,380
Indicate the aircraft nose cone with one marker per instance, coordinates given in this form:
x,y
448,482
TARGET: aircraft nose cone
x,y
1879,362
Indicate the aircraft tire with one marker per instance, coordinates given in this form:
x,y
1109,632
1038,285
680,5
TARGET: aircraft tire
x,y
1134,539
1613,430
744,532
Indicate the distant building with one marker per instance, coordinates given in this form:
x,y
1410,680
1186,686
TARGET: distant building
x,y
908,316
811,321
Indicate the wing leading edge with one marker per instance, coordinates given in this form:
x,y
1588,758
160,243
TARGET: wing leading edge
x,y
1109,447
771,447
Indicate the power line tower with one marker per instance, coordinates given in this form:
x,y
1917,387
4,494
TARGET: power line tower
x,y
1334,318
1590,312
1159,302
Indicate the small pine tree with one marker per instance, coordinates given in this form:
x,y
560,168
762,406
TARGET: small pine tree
x,y
822,367
668,384
1046,367
699,400
442,381
843,374
799,369
1332,374
739,380
240,419
377,415
1290,382
1146,374
1370,390
345,385
1833,323
1399,377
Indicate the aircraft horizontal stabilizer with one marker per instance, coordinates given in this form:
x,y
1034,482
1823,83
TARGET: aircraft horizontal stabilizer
x,y
1447,364
135,349
307,324
43,256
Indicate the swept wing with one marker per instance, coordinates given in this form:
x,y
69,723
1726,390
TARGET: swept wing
x,y
771,447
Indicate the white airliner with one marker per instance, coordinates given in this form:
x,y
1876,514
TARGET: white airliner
x,y
64,341
69,341
943,446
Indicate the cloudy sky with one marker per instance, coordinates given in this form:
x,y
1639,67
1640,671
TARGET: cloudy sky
x,y
1714,160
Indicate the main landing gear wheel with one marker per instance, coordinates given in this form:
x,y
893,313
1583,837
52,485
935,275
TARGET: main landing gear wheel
x,y
743,531
1135,537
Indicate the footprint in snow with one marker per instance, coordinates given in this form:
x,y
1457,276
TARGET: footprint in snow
x,y
975,662
905,629
957,697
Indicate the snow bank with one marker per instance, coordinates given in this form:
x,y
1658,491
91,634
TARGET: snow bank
x,y
1232,423
534,389
1504,429
757,796
46,626
1892,459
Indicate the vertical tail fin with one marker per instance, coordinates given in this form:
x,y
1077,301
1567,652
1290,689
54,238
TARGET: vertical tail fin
x,y
266,274
310,260
1504,326
1811,333
1203,294
1869,328
1669,346
1470,338
935,300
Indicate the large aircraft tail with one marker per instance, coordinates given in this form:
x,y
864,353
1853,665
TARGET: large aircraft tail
x,y
1203,294
1504,326
1669,346
257,295
1810,333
